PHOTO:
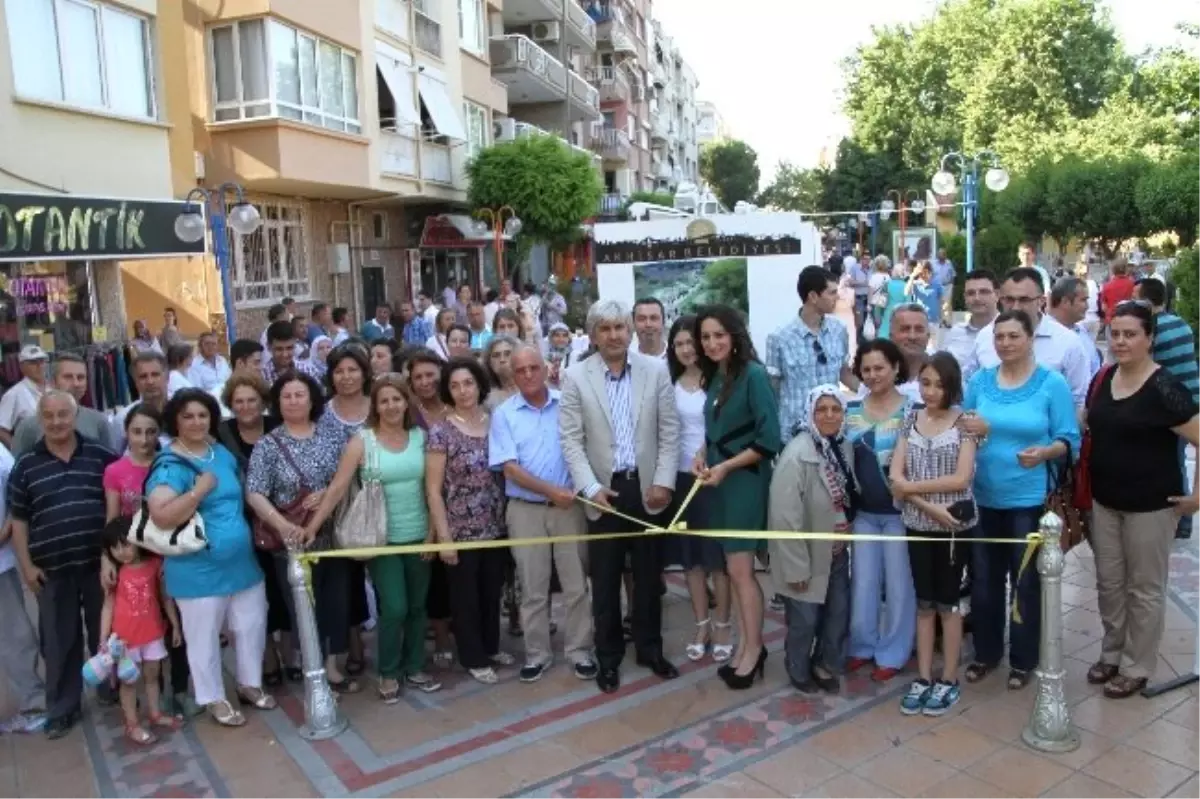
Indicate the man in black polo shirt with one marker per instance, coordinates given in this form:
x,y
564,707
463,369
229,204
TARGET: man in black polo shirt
x,y
56,502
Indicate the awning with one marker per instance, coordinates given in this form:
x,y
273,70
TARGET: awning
x,y
455,230
441,108
398,79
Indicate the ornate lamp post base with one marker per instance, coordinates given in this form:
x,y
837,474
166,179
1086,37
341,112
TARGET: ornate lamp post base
x,y
1049,728
321,717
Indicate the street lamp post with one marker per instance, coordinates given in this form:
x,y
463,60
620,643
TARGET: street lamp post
x,y
241,216
867,218
904,205
996,179
502,221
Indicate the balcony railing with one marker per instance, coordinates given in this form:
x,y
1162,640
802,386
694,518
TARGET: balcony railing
x,y
612,82
612,143
427,29
611,204
397,154
526,129
513,51
435,163
661,128
582,21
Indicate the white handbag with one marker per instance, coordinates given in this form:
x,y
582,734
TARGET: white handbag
x,y
868,328
184,539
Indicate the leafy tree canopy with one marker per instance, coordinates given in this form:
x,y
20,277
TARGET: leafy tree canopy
x,y
863,177
654,197
730,168
794,189
551,187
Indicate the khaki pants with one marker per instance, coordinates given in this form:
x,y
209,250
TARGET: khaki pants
x,y
1133,553
531,520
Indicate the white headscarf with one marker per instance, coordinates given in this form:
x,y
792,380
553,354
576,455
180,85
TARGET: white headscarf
x,y
314,348
839,479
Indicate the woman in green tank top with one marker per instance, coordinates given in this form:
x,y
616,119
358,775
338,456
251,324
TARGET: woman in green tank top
x,y
392,448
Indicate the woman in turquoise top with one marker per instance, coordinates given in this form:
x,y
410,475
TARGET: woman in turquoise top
x,y
924,289
223,584
897,295
1031,424
741,423
392,448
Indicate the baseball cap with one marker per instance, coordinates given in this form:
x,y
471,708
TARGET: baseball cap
x,y
32,352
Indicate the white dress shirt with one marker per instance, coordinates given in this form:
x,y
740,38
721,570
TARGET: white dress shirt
x,y
209,374
959,341
1055,347
176,382
19,401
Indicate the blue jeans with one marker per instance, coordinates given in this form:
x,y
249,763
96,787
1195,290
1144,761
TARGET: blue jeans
x,y
825,625
882,565
996,566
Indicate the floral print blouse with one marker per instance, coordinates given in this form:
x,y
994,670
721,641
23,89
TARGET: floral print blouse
x,y
474,500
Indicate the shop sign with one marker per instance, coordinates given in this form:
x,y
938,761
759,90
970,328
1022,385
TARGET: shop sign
x,y
442,232
45,227
727,246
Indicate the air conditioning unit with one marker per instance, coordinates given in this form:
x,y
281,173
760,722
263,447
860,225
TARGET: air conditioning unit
x,y
504,129
547,31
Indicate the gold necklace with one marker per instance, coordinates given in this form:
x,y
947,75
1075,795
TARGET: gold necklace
x,y
205,458
477,420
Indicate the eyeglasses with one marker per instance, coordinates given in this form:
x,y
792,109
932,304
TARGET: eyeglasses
x,y
820,351
1020,300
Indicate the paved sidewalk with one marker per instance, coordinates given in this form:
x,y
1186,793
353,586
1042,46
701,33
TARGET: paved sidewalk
x,y
690,736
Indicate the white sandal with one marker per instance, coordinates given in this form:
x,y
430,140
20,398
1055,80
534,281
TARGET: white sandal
x,y
696,651
722,652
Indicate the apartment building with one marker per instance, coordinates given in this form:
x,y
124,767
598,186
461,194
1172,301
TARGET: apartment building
x,y
710,125
87,182
675,157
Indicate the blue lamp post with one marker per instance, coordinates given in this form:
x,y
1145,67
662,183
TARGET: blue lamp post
x,y
241,216
996,179
869,216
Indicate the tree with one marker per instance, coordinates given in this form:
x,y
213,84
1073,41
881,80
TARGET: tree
x,y
996,247
1024,203
862,177
1166,196
794,189
551,187
730,168
1094,199
1186,277
653,197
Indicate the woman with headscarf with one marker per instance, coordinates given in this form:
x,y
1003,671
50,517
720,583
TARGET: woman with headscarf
x,y
318,352
814,490
558,352
143,340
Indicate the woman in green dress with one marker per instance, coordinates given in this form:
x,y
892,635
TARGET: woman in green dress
x,y
741,422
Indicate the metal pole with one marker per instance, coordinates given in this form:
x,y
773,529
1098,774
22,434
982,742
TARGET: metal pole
x,y
1049,728
321,717
221,249
969,210
874,230
562,56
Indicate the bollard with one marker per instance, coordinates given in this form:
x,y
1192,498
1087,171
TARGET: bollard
x,y
1049,728
321,717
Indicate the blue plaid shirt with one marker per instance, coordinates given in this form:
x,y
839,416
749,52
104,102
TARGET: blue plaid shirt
x,y
801,360
418,331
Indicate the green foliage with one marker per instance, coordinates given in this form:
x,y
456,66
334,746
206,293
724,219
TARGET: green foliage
x,y
863,176
794,189
725,283
1024,204
1094,199
1166,197
551,187
1186,277
996,248
730,168
654,197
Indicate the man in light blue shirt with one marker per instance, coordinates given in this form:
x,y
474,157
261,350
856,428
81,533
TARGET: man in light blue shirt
x,y
523,444
380,326
210,369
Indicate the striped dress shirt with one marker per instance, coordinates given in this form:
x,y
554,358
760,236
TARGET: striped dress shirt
x,y
620,405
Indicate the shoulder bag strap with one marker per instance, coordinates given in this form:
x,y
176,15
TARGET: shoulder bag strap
x,y
286,451
1096,381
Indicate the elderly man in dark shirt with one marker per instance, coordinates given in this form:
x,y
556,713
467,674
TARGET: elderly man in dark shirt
x,y
56,502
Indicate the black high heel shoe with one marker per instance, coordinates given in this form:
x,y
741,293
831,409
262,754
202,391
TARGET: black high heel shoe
x,y
740,682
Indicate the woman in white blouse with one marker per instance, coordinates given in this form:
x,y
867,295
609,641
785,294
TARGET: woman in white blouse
x,y
179,361
699,557
437,342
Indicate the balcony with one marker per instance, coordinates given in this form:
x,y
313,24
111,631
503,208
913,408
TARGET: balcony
x,y
612,203
612,144
658,74
579,27
660,129
284,156
534,76
435,163
611,29
427,30
402,154
520,129
398,154
614,86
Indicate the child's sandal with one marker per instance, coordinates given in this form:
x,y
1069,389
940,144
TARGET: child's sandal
x,y
140,735
165,722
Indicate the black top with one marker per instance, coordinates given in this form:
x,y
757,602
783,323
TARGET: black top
x,y
232,439
1134,463
62,502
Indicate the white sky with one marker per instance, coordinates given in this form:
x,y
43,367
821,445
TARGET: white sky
x,y
772,66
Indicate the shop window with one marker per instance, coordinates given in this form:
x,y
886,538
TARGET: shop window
x,y
272,262
264,68
82,53
47,303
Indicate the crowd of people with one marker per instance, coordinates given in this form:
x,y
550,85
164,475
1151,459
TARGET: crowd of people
x,y
510,427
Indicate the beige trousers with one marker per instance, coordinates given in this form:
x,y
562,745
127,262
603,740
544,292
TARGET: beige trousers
x,y
1133,554
530,520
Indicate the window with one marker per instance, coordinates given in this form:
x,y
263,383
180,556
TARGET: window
x,y
272,262
264,68
82,53
471,27
477,128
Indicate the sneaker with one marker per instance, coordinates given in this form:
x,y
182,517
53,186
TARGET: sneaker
x,y
532,672
918,694
941,698
586,670
777,603
503,658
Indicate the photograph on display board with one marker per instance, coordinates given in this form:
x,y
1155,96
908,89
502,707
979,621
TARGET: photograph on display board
x,y
684,286
918,244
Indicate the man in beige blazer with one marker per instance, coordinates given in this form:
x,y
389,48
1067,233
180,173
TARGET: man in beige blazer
x,y
620,436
